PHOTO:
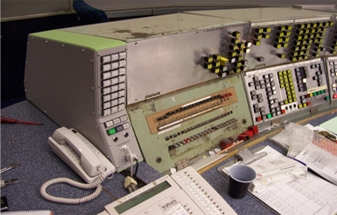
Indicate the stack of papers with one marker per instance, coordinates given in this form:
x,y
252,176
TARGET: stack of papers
x,y
314,150
296,191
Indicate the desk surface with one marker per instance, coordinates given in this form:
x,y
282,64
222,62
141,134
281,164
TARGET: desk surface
x,y
27,145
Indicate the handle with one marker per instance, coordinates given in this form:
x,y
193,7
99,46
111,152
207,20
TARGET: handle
x,y
88,160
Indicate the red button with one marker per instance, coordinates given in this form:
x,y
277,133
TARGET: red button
x,y
308,103
283,111
258,118
335,96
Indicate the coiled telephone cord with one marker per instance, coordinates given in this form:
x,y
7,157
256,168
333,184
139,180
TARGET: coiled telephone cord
x,y
96,184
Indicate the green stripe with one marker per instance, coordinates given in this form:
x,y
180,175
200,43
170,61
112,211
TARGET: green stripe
x,y
82,40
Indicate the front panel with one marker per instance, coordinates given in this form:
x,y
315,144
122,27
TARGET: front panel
x,y
183,125
331,63
162,65
281,91
111,99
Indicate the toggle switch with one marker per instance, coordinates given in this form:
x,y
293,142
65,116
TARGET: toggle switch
x,y
266,36
236,34
257,42
280,55
267,30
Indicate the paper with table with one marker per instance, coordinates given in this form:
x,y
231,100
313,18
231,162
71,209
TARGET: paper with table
x,y
296,191
311,148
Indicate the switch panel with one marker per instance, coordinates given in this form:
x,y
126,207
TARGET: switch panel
x,y
283,90
186,124
282,35
331,63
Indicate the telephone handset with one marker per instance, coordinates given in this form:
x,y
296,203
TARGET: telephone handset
x,y
81,155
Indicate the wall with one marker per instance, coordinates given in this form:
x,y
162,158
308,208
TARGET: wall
x,y
24,8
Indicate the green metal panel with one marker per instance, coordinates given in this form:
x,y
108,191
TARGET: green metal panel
x,y
83,40
155,146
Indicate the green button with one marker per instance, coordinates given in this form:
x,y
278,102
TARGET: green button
x,y
269,115
111,131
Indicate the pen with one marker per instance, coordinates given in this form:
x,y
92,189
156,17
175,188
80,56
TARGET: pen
x,y
7,182
13,121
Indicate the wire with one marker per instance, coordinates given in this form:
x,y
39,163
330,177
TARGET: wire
x,y
96,184
137,164
131,160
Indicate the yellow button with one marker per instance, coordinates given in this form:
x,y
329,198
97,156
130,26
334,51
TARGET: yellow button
x,y
223,58
217,56
235,40
208,59
223,61
278,40
297,43
266,36
258,36
267,30
216,64
239,58
257,42
301,26
236,34
278,45
208,66
233,54
258,30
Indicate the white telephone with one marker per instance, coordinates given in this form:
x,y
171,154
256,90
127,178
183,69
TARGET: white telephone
x,y
84,159
81,155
